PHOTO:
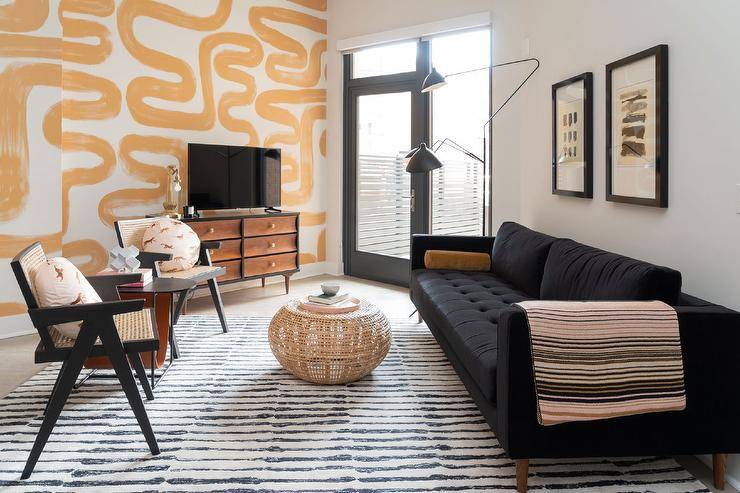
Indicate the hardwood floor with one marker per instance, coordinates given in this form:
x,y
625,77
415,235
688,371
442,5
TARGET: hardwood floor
x,y
16,354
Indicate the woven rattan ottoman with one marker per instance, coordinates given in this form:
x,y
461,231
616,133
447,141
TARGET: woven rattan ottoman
x,y
329,349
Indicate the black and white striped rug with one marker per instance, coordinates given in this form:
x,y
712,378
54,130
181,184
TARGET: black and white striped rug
x,y
229,419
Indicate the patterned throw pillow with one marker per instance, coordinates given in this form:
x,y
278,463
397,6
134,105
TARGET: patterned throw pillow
x,y
59,283
171,236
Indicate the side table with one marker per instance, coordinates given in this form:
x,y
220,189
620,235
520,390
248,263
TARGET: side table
x,y
159,295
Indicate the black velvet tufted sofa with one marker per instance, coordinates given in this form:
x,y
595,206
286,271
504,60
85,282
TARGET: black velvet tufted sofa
x,y
487,341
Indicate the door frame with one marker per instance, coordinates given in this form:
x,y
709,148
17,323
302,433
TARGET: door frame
x,y
366,265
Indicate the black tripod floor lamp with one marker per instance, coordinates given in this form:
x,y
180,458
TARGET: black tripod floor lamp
x,y
422,159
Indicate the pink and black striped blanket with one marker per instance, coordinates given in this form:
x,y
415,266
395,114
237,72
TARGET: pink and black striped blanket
x,y
599,360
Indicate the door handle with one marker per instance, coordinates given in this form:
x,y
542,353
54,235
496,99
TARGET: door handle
x,y
413,200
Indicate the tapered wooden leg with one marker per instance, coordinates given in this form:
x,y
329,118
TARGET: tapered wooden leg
x,y
522,474
114,348
263,282
58,398
719,467
216,295
135,360
418,316
287,284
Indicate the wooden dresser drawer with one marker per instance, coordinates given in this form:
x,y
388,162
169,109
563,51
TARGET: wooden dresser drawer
x,y
267,245
261,226
218,229
230,250
256,266
233,270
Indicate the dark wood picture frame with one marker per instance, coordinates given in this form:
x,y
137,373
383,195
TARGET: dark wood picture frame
x,y
586,79
660,52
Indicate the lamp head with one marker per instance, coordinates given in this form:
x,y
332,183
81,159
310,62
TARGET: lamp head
x,y
422,160
433,81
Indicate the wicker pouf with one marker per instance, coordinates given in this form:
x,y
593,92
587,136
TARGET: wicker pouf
x,y
329,349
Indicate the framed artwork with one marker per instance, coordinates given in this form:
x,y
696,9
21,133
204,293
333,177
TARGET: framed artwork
x,y
637,128
572,140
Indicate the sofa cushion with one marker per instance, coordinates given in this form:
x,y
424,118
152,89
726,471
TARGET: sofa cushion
x,y
519,256
464,307
574,271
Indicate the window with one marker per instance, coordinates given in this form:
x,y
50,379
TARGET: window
x,y
384,60
459,110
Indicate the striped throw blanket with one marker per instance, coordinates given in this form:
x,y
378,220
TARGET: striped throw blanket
x,y
599,360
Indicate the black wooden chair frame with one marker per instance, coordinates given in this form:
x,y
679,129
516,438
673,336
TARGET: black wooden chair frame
x,y
150,260
98,324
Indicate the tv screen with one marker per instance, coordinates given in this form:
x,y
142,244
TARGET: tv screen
x,y
231,177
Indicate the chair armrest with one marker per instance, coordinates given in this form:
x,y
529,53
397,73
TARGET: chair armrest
x,y
205,255
210,245
710,336
149,259
44,317
107,285
421,243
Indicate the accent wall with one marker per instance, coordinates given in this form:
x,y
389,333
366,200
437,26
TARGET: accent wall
x,y
97,97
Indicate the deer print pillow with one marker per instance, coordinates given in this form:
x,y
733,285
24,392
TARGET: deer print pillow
x,y
59,283
175,237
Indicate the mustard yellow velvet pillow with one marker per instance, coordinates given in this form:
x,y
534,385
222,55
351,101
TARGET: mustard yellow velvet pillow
x,y
452,260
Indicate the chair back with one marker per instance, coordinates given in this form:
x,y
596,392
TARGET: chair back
x,y
23,266
131,231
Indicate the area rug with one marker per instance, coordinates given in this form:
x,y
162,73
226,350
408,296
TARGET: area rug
x,y
228,418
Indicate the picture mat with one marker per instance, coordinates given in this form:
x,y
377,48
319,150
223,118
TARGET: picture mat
x,y
570,101
633,175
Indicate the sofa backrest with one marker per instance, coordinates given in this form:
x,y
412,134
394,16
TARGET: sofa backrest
x,y
574,271
519,256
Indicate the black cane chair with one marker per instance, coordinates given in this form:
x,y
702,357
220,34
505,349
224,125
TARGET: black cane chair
x,y
113,328
131,232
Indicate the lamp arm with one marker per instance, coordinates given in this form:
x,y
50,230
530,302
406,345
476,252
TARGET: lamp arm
x,y
455,145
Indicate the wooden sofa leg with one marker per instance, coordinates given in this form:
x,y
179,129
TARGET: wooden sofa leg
x,y
719,467
522,474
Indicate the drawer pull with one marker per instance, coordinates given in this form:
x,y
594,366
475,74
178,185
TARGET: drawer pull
x,y
211,230
272,264
272,226
272,244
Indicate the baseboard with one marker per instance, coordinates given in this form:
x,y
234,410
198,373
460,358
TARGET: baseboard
x,y
732,480
18,332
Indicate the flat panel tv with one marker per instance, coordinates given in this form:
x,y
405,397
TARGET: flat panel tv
x,y
233,177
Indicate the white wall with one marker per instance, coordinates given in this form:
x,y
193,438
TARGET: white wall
x,y
349,18
699,233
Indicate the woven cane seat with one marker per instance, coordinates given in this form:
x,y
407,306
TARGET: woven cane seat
x,y
329,348
201,271
133,326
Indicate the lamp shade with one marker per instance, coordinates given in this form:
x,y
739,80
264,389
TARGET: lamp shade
x,y
423,160
433,81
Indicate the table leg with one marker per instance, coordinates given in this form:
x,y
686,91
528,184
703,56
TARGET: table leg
x,y
174,348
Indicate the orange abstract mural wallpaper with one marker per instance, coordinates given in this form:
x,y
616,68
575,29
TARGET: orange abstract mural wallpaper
x,y
97,97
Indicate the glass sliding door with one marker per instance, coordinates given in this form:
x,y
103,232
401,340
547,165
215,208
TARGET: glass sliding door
x,y
459,111
383,187
385,116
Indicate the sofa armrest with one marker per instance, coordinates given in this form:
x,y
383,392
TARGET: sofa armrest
x,y
421,243
710,338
